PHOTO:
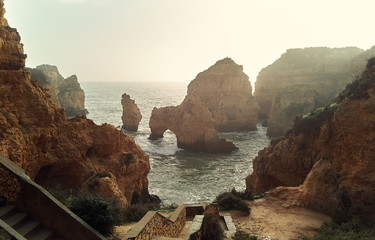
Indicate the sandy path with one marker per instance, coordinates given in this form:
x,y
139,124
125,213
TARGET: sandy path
x,y
278,219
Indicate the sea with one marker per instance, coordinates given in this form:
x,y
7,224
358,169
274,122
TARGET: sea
x,y
177,176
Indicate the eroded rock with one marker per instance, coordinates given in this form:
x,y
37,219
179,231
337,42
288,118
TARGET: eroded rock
x,y
55,151
66,93
131,115
218,100
227,93
321,73
327,159
193,125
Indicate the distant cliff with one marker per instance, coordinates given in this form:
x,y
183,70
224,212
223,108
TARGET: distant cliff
x,y
65,93
57,152
300,80
219,99
328,155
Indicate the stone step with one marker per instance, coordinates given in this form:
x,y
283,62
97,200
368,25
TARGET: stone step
x,y
6,210
29,228
16,219
43,234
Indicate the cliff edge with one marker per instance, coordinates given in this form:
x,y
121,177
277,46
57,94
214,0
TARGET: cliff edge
x,y
57,152
301,80
66,93
328,156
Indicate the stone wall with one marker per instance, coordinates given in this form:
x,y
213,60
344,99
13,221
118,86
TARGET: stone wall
x,y
9,185
154,224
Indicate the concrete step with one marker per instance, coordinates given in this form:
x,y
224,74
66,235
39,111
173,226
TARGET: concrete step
x,y
6,210
29,228
16,219
43,234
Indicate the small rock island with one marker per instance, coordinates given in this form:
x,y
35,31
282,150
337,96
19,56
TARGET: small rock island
x,y
131,115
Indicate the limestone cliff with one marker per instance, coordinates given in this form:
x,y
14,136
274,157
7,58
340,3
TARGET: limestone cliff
x,y
193,125
320,72
131,115
55,151
65,93
328,156
226,91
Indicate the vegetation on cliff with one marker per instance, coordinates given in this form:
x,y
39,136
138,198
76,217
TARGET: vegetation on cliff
x,y
328,155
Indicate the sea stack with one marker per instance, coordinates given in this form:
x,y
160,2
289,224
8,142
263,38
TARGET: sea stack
x,y
227,93
299,81
193,125
66,93
131,115
327,158
219,99
57,152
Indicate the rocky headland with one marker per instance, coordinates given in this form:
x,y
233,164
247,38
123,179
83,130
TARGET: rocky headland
x,y
218,100
57,152
326,160
131,115
65,93
301,80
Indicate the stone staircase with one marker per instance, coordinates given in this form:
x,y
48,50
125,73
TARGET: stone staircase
x,y
27,227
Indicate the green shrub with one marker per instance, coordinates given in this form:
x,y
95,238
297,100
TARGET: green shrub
x,y
228,201
134,213
245,195
4,235
95,211
243,236
354,229
211,229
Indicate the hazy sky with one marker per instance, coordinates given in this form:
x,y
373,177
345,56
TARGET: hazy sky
x,y
174,40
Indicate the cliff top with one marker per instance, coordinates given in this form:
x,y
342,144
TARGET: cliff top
x,y
312,58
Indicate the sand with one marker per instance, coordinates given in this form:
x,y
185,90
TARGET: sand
x,y
278,219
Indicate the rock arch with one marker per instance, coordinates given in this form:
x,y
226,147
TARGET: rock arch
x,y
193,125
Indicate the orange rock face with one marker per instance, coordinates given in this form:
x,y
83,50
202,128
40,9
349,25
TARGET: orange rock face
x,y
226,91
218,100
330,154
192,124
131,116
76,153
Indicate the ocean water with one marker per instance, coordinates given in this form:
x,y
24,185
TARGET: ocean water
x,y
176,176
